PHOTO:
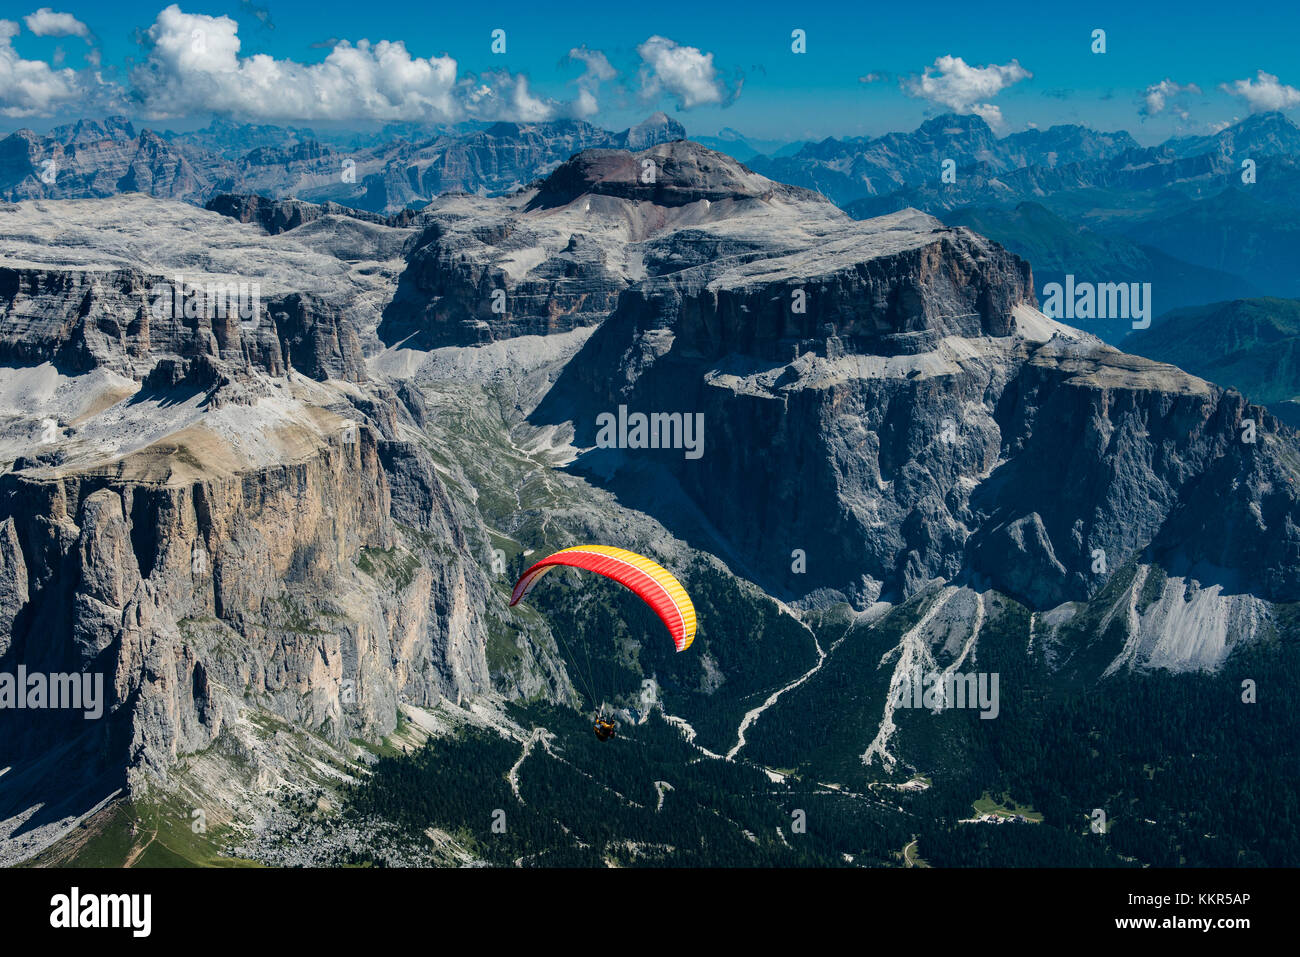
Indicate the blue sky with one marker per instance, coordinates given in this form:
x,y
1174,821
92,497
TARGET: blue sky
x,y
1041,67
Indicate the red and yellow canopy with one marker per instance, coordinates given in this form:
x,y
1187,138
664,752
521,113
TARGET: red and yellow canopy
x,y
653,583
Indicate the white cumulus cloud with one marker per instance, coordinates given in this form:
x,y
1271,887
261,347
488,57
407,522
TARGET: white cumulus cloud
x,y
953,83
687,74
1159,95
47,23
193,65
504,96
31,87
598,70
598,65
1265,92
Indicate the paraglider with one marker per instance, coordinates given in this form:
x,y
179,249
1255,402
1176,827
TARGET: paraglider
x,y
648,580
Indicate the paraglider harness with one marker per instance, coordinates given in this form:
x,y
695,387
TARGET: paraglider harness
x,y
604,728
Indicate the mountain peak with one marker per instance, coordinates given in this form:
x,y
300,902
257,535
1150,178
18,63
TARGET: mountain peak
x,y
658,127
1267,118
1276,127
955,124
684,172
1261,134
91,130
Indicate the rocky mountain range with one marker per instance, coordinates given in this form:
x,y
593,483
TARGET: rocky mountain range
x,y
904,169
399,169
270,463
853,168
1203,219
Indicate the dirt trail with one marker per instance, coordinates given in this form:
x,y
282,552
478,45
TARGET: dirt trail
x,y
754,714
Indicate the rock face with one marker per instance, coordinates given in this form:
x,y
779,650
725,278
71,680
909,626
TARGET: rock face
x,y
317,339
216,513
465,286
13,582
937,283
137,325
124,321
992,453
1113,455
198,596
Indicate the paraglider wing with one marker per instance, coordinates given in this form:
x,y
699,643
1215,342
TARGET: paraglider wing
x,y
653,583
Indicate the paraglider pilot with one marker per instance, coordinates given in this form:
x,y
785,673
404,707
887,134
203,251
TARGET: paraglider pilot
x,y
649,580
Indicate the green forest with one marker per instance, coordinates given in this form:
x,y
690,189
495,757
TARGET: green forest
x,y
1184,771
